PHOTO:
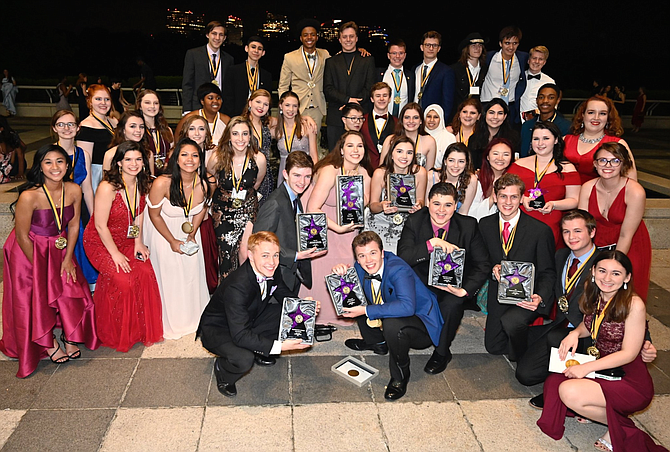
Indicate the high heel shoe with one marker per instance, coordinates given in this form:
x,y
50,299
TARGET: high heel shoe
x,y
74,355
63,359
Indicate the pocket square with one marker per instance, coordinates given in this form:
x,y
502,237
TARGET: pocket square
x,y
272,290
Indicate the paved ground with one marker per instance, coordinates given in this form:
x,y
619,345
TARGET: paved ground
x,y
164,397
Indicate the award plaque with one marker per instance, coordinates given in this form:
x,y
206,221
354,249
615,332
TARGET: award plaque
x,y
350,201
312,229
401,189
517,281
354,371
346,291
447,269
536,198
298,319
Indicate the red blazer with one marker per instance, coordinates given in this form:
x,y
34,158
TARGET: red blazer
x,y
370,135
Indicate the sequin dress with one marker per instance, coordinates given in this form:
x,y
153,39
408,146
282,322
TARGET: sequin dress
x,y
268,181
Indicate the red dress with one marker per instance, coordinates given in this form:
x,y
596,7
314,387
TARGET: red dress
x,y
629,395
128,305
607,233
584,163
553,189
38,299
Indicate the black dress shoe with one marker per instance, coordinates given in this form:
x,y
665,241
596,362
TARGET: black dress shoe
x,y
227,389
437,363
395,389
360,345
264,360
537,402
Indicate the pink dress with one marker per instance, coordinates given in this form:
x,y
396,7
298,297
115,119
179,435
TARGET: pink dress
x,y
38,299
584,163
339,252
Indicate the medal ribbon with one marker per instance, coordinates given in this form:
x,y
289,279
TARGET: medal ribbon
x,y
215,70
509,71
424,79
538,177
252,78
212,126
187,207
105,124
57,217
379,131
471,81
416,145
74,156
395,82
259,136
287,142
310,68
570,282
156,137
507,246
460,137
376,296
444,234
351,65
237,184
598,320
132,208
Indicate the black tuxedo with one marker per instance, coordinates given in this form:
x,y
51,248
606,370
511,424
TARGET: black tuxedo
x,y
237,322
409,78
464,233
197,71
534,364
507,325
369,132
339,86
236,88
462,84
439,88
276,215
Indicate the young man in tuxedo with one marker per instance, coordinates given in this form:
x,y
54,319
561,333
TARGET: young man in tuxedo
x,y
205,64
397,77
243,79
434,80
513,235
347,77
239,324
401,312
278,215
439,226
378,124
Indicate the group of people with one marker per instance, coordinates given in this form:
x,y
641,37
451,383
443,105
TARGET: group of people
x,y
169,218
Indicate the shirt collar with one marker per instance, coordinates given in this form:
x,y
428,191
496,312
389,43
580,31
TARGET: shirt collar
x,y
291,194
212,51
512,221
583,258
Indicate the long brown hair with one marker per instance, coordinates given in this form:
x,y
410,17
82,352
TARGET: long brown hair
x,y
183,133
160,122
120,131
612,128
113,176
335,157
246,113
389,164
465,176
225,151
619,308
456,122
279,130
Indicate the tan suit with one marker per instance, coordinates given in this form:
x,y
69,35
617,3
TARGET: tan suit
x,y
295,76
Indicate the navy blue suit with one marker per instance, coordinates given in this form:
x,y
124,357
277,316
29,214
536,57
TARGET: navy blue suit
x,y
439,88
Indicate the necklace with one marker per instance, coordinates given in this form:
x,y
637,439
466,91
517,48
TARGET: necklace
x,y
583,139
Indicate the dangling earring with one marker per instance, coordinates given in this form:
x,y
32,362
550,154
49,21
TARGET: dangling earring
x,y
593,279
625,286
582,125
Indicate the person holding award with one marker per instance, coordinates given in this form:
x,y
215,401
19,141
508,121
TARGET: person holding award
x,y
401,312
552,182
614,327
127,299
177,205
388,211
239,324
512,235
43,284
439,226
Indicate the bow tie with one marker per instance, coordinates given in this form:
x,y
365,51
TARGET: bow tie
x,y
536,77
381,116
262,279
311,56
376,276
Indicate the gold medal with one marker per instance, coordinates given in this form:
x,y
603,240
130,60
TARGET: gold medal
x,y
237,203
563,304
420,95
397,219
447,267
593,351
159,163
187,227
504,91
133,231
346,290
374,323
396,100
215,82
61,243
353,373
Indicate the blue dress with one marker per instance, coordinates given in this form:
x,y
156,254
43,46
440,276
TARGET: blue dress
x,y
79,174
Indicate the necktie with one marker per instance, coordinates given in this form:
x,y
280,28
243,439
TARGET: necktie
x,y
381,116
375,276
296,207
440,232
506,231
573,268
396,78
536,77
212,69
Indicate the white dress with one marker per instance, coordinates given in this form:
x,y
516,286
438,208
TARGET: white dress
x,y
181,278
480,205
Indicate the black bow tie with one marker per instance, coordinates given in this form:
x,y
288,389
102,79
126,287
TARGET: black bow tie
x,y
375,276
381,116
311,56
536,77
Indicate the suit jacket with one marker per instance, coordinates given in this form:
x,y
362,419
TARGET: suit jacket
x,y
404,295
276,215
462,84
574,315
370,135
522,58
439,88
235,306
295,77
409,81
197,72
533,242
339,87
463,232
236,88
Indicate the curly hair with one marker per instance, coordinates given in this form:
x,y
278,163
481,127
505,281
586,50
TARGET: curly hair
x,y
225,151
113,176
463,178
613,126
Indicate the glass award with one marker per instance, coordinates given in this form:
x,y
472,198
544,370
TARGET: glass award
x,y
345,291
350,200
298,320
446,268
536,198
401,189
312,230
517,280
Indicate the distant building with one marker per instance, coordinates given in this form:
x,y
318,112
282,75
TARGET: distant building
x,y
330,30
234,30
184,22
375,33
275,26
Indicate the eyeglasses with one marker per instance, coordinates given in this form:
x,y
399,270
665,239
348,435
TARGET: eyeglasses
x,y
397,54
69,125
431,46
603,162
354,118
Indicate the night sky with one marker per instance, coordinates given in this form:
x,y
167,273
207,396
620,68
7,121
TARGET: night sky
x,y
585,40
